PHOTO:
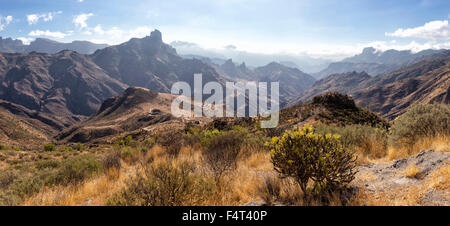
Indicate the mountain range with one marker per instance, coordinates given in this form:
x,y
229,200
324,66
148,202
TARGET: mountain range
x,y
44,45
427,81
375,62
52,92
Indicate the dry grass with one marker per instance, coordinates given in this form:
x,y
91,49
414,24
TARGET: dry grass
x,y
93,192
246,182
439,144
412,171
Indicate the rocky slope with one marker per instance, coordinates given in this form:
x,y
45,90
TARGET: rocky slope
x,y
293,82
136,111
65,87
427,81
340,83
417,180
150,63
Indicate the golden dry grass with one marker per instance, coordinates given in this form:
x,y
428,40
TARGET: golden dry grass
x,y
412,171
243,184
439,144
93,192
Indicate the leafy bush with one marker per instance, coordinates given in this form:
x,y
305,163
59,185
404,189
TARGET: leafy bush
x,y
65,148
47,164
6,179
310,157
164,185
80,147
75,170
129,154
49,147
367,140
423,120
221,151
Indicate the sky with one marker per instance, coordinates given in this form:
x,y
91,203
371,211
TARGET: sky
x,y
327,29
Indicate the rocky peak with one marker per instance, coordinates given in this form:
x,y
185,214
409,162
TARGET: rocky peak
x,y
156,36
369,50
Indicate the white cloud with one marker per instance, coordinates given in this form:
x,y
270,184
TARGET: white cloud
x,y
434,30
46,17
25,41
413,46
8,19
116,35
5,21
48,33
32,19
99,30
80,20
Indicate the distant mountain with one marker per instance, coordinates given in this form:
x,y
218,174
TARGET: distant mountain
x,y
293,82
150,63
427,81
207,60
289,64
375,62
9,45
43,45
340,83
59,89
345,67
302,61
49,46
371,55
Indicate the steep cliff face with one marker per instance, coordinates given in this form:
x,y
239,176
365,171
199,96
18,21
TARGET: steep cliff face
x,y
150,63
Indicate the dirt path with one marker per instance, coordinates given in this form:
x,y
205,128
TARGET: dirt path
x,y
422,179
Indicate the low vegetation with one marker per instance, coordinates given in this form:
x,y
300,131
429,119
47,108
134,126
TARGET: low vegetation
x,y
313,159
221,164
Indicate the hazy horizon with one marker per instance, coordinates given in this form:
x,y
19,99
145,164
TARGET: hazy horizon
x,y
330,30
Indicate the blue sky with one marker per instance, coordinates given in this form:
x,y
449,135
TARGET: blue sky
x,y
320,28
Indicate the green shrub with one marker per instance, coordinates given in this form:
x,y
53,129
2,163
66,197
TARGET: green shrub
x,y
164,185
370,141
47,164
6,179
310,157
26,186
49,147
75,170
127,141
65,148
80,147
129,154
422,120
